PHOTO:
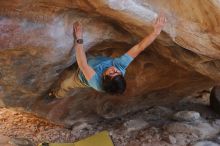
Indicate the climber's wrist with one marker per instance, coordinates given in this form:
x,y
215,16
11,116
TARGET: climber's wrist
x,y
156,32
79,41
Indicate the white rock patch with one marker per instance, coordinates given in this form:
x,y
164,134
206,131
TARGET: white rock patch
x,y
135,124
186,116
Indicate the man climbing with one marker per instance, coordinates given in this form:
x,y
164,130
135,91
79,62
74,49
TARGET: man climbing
x,y
104,74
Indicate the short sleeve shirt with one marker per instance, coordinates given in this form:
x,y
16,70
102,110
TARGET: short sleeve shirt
x,y
100,64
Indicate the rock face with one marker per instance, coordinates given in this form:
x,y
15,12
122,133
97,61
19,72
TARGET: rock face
x,y
36,47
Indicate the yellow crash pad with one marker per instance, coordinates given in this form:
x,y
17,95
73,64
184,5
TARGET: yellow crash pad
x,y
59,144
99,139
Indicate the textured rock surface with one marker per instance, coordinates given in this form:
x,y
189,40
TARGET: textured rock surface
x,y
4,140
205,143
135,124
36,46
7,141
186,116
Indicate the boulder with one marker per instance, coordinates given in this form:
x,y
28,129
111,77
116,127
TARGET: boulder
x,y
189,116
36,47
215,99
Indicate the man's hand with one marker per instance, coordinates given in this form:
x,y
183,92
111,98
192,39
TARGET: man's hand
x,y
147,40
77,30
159,24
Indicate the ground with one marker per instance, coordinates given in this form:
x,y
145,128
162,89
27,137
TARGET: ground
x,y
190,122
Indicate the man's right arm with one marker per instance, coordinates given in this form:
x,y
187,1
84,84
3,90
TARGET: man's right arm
x,y
138,48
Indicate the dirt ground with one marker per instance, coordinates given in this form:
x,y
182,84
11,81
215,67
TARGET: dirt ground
x,y
190,122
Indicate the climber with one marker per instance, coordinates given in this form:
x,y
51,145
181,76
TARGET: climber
x,y
104,74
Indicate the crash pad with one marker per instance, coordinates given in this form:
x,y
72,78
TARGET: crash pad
x,y
99,139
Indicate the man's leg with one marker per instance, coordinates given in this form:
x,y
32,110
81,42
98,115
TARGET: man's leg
x,y
69,81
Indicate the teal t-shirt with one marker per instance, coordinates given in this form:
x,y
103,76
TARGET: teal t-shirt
x,y
100,64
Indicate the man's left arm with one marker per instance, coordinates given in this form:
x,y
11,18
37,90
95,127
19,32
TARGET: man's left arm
x,y
138,48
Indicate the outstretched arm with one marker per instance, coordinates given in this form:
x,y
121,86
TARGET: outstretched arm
x,y
138,48
80,53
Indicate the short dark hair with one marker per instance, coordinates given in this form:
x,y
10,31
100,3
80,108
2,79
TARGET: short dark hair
x,y
115,85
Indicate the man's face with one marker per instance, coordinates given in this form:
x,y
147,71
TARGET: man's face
x,y
112,72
